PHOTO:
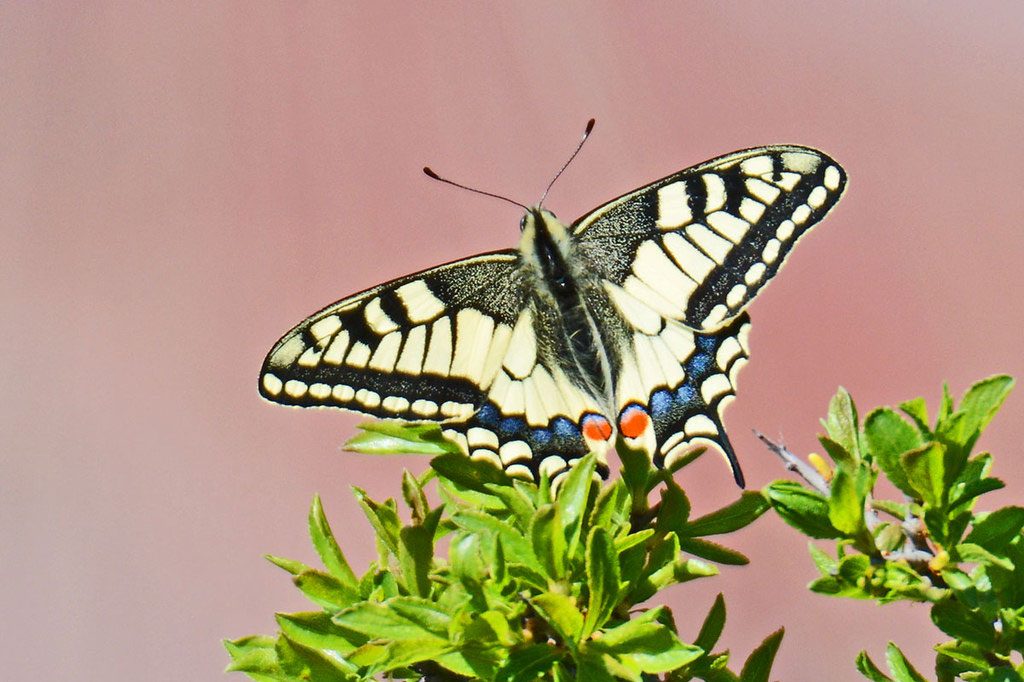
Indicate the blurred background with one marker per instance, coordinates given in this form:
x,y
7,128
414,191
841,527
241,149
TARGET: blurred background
x,y
182,182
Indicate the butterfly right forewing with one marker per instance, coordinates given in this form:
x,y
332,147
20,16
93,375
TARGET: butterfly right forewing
x,y
697,246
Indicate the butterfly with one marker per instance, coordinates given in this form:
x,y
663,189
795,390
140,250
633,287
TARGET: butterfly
x,y
630,321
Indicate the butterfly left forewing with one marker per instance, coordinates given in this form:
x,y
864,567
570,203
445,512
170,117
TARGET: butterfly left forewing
x,y
420,347
697,246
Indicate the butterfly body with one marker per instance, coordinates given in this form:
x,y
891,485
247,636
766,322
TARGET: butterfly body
x,y
629,321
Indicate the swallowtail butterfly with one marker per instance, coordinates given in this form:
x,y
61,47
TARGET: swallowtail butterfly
x,y
629,321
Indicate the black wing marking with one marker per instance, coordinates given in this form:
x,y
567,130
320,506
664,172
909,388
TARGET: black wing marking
x,y
698,245
422,347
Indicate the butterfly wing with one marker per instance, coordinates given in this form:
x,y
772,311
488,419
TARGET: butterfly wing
x,y
456,344
681,259
698,245
422,347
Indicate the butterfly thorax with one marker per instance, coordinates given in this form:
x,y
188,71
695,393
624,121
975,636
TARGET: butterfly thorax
x,y
564,296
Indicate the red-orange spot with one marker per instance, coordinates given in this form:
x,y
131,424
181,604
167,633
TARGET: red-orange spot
x,y
597,428
633,422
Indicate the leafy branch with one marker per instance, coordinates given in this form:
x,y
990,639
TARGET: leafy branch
x,y
931,546
539,580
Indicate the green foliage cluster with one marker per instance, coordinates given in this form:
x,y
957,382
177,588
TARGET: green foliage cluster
x,y
534,584
928,546
511,581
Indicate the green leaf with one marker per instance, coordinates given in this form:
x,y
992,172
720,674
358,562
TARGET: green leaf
x,y
307,664
416,555
256,656
398,618
325,590
572,500
317,630
712,551
960,622
289,565
995,530
739,514
517,548
713,625
647,645
758,665
612,504
925,467
971,553
548,540
327,547
918,411
841,423
561,614
839,455
888,436
415,498
673,510
389,436
636,472
900,667
469,473
528,663
602,565
868,669
383,518
382,656
846,504
981,402
805,510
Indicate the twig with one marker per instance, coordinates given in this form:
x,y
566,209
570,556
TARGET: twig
x,y
795,464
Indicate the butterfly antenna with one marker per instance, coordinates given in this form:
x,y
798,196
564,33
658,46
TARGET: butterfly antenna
x,y
431,174
586,134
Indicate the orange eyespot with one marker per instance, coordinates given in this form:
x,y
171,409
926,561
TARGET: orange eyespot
x,y
596,427
633,422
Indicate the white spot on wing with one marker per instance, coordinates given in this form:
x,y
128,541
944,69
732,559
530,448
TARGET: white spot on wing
x,y
387,352
295,388
771,251
515,451
709,242
700,425
727,352
439,349
321,329
715,190
728,225
679,340
482,437
359,355
751,210
335,353
377,318
759,189
754,274
800,162
522,347
785,230
288,352
654,267
756,165
640,316
272,385
420,303
817,197
411,360
424,408
673,209
690,259
736,295
714,386
832,178
343,393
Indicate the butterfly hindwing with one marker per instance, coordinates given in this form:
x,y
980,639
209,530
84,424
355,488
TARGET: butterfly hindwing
x,y
698,245
419,347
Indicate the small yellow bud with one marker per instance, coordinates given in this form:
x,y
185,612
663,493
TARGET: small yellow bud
x,y
820,465
939,561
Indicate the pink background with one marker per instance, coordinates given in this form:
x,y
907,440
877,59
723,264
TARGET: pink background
x,y
179,184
